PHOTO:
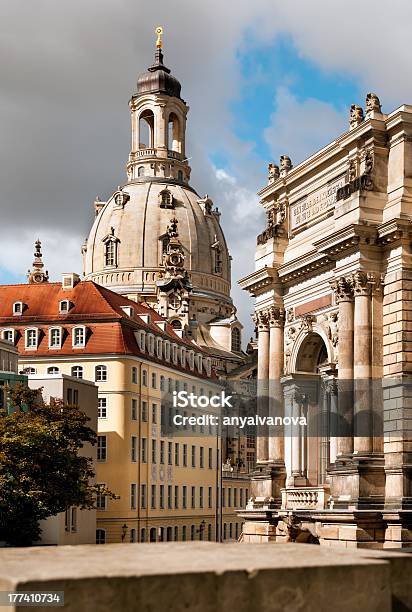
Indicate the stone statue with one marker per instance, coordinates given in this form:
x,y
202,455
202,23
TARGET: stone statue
x,y
351,170
356,116
333,329
294,531
273,173
285,165
373,103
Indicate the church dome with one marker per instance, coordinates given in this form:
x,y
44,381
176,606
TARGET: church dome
x,y
136,220
157,79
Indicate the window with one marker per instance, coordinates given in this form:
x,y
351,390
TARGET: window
x,y
102,408
100,373
154,451
101,448
176,534
55,337
18,308
193,497
101,501
169,497
31,338
162,452
194,422
209,532
144,411
140,171
184,536
134,410
154,380
144,378
210,458
201,497
153,497
184,497
64,306
133,537
110,252
8,335
177,453
162,497
230,530
100,536
224,531
133,450
29,371
236,340
79,337
144,450
176,497
193,456
235,498
162,383
134,375
237,530
192,532
53,370
170,385
143,535
184,455
133,496
241,497
77,371
202,457
143,497
154,413
210,497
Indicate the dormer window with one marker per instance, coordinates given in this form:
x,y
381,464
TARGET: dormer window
x,y
150,344
18,308
55,337
166,350
64,306
79,337
174,353
141,337
111,249
191,359
159,343
199,362
166,199
129,310
182,357
9,335
31,338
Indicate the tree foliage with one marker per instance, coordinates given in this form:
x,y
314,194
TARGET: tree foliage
x,y
41,471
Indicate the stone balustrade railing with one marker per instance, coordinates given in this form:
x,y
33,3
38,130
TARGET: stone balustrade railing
x,y
301,498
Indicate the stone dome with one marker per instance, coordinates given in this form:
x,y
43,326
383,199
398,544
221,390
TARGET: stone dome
x,y
136,218
157,79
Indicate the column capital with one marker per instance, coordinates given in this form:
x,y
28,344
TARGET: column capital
x,y
343,289
261,320
364,283
276,316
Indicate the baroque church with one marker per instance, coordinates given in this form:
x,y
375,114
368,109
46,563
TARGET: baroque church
x,y
155,240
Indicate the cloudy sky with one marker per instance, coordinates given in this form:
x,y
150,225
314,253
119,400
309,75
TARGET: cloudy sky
x,y
261,78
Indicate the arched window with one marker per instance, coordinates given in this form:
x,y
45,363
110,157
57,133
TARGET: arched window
x,y
143,535
169,534
173,133
140,171
236,340
52,370
77,371
209,532
100,373
176,324
146,129
133,537
180,175
29,371
192,532
100,536
176,534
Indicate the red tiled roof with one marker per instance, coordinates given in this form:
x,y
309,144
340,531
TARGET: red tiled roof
x,y
109,328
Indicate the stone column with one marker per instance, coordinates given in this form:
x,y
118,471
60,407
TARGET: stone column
x,y
333,413
362,357
344,298
262,320
276,409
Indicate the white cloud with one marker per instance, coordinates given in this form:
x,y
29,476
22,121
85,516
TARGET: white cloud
x,y
298,129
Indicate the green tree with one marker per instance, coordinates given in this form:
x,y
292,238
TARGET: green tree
x,y
41,472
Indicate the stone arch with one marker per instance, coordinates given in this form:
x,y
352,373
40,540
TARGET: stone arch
x,y
146,129
309,348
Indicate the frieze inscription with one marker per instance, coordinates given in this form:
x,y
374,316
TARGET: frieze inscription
x,y
315,204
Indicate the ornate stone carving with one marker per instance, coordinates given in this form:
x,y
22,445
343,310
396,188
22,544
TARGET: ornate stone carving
x,y
307,321
273,173
120,197
367,160
206,204
290,315
343,289
362,283
285,165
356,116
373,103
331,326
290,337
37,274
352,170
261,320
276,316
275,219
165,198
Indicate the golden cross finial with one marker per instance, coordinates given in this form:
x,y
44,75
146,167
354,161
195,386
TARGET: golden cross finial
x,y
159,32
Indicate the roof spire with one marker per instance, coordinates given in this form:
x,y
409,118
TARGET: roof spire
x,y
159,54
37,275
159,32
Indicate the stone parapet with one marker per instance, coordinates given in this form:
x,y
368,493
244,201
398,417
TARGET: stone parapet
x,y
210,577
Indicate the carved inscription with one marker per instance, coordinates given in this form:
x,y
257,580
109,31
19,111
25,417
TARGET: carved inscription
x,y
315,204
